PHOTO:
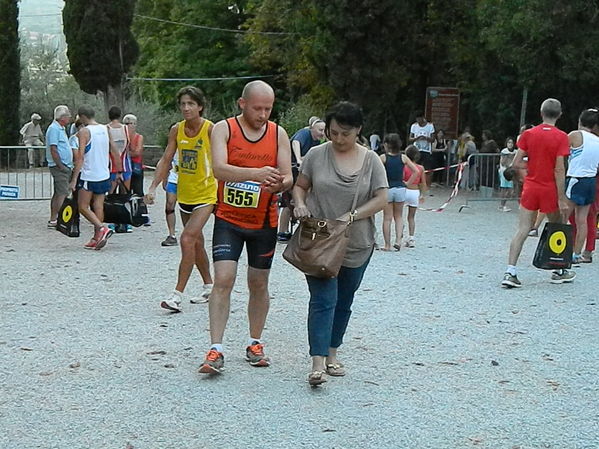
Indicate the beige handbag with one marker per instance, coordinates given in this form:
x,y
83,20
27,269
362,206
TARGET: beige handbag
x,y
318,245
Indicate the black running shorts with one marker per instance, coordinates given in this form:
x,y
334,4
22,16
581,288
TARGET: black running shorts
x,y
228,240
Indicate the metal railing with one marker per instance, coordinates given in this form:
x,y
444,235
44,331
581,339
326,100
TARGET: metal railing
x,y
36,183
16,176
482,180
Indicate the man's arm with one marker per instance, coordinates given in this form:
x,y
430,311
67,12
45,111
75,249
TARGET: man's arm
x,y
223,171
560,183
164,164
283,164
518,161
297,151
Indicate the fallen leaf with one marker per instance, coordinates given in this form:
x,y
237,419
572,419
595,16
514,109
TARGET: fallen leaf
x,y
494,363
553,384
169,365
329,430
23,348
156,353
371,382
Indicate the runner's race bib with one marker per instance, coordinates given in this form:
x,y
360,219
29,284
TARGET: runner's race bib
x,y
242,194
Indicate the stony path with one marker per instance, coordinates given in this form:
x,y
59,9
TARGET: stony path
x,y
438,356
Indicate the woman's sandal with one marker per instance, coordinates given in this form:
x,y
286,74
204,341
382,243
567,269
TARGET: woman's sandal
x,y
316,378
335,369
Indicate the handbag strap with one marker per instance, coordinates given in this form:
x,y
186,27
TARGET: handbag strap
x,y
360,177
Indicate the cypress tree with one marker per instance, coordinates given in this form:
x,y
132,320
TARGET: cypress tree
x,y
10,72
101,47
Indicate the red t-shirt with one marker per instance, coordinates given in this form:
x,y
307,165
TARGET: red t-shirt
x,y
543,145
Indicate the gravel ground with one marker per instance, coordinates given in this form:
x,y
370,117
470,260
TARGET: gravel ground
x,y
438,355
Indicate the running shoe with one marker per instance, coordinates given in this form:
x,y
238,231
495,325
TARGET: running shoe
x,y
204,296
564,277
254,354
173,303
52,223
576,260
214,363
169,241
533,233
91,244
411,243
510,281
505,209
587,257
102,237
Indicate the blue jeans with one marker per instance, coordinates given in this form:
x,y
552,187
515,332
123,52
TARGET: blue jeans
x,y
330,308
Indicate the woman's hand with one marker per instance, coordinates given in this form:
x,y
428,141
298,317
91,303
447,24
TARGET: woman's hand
x,y
301,211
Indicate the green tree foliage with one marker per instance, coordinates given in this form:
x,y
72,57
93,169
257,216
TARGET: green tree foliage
x,y
101,47
177,51
10,75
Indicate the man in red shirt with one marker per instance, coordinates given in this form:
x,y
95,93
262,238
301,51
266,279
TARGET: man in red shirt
x,y
545,148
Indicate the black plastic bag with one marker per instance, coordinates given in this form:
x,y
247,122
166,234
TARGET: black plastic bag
x,y
554,250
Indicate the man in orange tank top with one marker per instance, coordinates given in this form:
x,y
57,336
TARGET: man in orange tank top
x,y
252,162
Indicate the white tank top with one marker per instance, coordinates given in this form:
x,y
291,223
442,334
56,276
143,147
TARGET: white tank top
x,y
584,160
119,137
96,158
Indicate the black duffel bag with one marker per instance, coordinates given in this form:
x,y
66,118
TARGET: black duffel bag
x,y
554,250
125,208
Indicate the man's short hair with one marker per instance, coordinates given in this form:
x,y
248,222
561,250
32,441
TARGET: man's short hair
x,y
61,111
551,108
86,111
114,113
589,118
194,93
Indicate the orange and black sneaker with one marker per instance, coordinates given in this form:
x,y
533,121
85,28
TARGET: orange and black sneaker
x,y
214,362
254,354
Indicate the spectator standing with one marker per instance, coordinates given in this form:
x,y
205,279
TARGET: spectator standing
x,y
505,161
422,135
119,135
59,156
301,142
136,151
32,135
415,189
439,155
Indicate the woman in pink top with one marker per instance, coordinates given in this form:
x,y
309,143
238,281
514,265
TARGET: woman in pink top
x,y
415,189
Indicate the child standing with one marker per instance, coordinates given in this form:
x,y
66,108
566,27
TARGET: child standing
x,y
507,187
415,189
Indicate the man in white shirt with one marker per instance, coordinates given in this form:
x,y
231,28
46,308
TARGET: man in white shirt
x,y
422,135
92,162
581,176
32,135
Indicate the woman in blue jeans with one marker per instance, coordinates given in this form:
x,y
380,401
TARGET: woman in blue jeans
x,y
325,188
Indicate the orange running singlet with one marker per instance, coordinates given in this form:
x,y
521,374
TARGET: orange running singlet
x,y
246,204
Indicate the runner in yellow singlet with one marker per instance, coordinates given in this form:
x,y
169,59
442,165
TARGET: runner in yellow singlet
x,y
196,190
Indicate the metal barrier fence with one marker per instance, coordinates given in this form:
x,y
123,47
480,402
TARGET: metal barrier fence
x,y
17,180
20,182
482,180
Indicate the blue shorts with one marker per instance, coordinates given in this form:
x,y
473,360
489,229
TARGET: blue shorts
x,y
171,187
126,176
396,195
581,191
97,187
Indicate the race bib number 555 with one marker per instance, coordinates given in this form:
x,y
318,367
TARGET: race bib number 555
x,y
242,194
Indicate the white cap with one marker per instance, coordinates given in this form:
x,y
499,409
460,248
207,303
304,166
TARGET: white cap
x,y
129,118
36,116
